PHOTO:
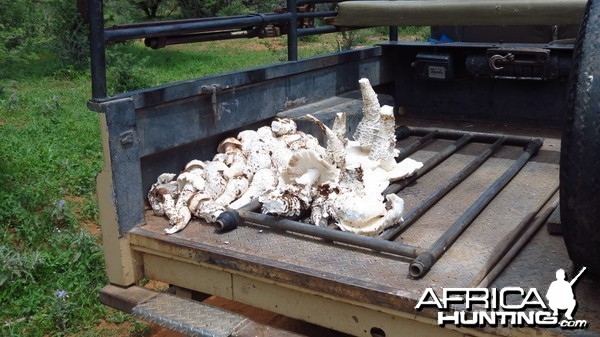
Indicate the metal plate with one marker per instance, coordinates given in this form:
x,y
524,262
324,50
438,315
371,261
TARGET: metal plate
x,y
189,317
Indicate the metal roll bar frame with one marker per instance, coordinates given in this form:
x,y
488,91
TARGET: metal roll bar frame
x,y
198,30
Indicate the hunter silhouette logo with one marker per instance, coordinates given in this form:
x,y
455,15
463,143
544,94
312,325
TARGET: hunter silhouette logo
x,y
479,307
560,294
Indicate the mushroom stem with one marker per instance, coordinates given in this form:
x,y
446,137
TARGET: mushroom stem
x,y
384,141
235,187
264,180
339,127
335,146
309,178
367,128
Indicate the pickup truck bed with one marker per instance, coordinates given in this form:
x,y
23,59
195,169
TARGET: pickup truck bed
x,y
349,289
272,269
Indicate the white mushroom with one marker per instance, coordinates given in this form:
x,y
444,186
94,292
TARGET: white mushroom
x,y
180,216
202,206
193,177
229,145
179,219
257,155
302,141
195,165
257,159
280,155
403,169
290,172
361,215
264,180
322,206
335,146
339,127
383,143
304,170
169,209
368,126
215,182
283,126
288,201
306,167
234,189
265,133
248,138
230,153
164,185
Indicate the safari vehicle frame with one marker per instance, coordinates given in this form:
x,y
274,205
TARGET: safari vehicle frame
x,y
435,88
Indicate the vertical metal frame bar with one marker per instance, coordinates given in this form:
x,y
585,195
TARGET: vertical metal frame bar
x,y
97,50
393,33
292,38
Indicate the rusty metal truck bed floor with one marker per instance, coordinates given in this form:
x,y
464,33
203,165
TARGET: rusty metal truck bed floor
x,y
382,280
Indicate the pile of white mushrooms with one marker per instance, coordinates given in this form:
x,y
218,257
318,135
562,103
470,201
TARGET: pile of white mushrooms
x,y
292,175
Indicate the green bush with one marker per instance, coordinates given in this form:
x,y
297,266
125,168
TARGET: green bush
x,y
21,31
209,8
68,33
126,69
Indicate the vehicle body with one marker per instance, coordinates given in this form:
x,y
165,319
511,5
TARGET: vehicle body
x,y
455,88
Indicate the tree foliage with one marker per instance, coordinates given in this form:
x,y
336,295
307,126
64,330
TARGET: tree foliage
x,y
20,30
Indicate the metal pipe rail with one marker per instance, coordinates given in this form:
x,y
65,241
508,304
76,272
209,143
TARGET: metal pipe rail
x,y
137,32
230,219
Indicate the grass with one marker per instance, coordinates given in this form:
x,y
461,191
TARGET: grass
x,y
51,265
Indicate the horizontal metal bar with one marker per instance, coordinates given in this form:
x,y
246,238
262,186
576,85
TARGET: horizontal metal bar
x,y
321,14
193,27
411,148
229,220
477,136
308,2
317,30
161,42
331,234
169,22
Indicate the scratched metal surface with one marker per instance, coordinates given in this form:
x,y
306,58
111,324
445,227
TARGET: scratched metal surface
x,y
371,277
535,267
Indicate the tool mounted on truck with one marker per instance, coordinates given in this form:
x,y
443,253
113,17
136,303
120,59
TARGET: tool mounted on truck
x,y
473,112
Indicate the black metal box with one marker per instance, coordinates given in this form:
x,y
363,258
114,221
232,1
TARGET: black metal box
x,y
434,66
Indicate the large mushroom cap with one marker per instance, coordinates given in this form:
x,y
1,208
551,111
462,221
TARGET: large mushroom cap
x,y
231,141
195,164
308,160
